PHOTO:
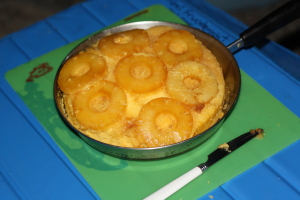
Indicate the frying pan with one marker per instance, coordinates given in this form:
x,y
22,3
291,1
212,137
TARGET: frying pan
x,y
231,72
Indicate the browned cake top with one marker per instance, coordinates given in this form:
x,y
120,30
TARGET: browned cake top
x,y
143,88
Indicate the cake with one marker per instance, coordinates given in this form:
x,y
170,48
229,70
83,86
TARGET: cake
x,y
143,88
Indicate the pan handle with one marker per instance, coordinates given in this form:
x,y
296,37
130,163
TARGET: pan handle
x,y
275,20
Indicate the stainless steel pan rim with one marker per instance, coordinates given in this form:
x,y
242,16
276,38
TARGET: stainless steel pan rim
x,y
231,75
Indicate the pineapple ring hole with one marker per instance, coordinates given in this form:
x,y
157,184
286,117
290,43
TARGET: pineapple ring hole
x,y
140,70
178,46
191,82
79,70
100,102
123,39
165,122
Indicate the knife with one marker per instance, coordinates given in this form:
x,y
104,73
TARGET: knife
x,y
222,151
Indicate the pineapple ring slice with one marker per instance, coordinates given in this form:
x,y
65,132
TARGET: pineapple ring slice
x,y
176,46
140,73
192,83
164,121
100,105
80,72
119,45
155,31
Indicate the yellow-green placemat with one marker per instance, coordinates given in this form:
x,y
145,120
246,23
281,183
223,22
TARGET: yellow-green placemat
x,y
114,178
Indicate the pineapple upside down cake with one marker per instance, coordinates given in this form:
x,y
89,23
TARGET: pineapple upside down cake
x,y
143,88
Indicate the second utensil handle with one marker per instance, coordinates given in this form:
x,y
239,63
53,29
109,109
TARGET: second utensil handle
x,y
175,185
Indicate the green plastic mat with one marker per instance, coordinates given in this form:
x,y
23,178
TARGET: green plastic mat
x,y
114,178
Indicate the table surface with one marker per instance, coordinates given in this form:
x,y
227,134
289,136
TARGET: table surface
x,y
48,174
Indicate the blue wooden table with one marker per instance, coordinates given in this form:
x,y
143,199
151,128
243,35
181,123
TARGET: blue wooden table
x,y
32,166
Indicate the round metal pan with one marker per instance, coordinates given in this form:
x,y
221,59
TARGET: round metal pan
x,y
228,64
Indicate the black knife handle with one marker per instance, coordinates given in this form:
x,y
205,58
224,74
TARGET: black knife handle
x,y
275,20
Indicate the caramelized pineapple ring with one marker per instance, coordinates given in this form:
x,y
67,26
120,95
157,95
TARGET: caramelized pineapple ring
x,y
176,46
140,73
156,31
81,71
119,45
164,121
192,83
100,105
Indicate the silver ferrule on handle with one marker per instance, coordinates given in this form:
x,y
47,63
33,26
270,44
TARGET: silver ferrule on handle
x,y
203,167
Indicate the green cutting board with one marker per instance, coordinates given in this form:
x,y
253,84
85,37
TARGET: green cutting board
x,y
114,178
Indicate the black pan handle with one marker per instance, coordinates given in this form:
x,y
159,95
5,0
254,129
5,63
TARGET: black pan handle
x,y
275,20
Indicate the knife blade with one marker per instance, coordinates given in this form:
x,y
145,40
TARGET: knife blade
x,y
222,151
